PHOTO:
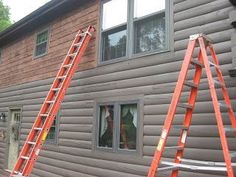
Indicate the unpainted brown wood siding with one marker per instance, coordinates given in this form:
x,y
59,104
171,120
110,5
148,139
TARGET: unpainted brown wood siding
x,y
18,64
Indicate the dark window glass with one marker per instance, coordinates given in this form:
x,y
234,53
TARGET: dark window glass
x,y
150,34
114,44
106,126
52,132
128,126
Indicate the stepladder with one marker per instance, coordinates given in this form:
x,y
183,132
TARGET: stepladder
x,y
44,120
200,57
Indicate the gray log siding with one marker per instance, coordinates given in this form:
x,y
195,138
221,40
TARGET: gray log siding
x,y
154,78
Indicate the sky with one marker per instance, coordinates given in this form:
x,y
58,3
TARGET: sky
x,y
21,8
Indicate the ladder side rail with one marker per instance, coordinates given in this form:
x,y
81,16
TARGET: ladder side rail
x,y
172,109
38,121
56,106
216,109
188,115
224,89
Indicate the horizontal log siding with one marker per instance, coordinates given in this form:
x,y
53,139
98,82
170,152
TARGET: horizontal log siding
x,y
154,78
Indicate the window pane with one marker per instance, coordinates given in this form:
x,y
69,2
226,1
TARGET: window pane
x,y
128,126
114,13
150,34
144,7
42,37
52,132
41,49
114,44
106,126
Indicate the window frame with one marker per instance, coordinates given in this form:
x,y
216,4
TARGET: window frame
x,y
130,54
57,126
116,123
47,42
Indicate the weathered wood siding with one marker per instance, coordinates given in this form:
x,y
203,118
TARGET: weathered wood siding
x,y
152,78
18,64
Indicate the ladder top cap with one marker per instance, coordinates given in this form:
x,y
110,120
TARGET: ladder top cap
x,y
196,36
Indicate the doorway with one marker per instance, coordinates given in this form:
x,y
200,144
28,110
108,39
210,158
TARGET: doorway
x,y
14,140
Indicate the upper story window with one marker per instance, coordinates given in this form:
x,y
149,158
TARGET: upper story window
x,y
118,127
41,43
131,27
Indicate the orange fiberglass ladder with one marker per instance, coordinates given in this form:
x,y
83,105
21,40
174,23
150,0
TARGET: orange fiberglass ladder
x,y
51,105
214,84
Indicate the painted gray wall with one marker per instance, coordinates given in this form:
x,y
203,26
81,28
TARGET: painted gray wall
x,y
152,79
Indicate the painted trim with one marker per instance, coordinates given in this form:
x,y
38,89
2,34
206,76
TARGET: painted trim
x,y
117,101
10,110
130,30
48,29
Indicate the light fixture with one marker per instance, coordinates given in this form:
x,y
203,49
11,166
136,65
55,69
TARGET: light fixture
x,y
2,117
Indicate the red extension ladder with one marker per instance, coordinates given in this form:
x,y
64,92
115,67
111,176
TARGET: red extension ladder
x,y
215,85
51,105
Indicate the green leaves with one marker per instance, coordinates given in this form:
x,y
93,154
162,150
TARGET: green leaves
x,y
4,16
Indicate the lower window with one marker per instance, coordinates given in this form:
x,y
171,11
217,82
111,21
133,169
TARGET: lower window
x,y
53,132
118,125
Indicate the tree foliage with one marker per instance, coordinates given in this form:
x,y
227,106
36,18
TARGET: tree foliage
x,y
4,16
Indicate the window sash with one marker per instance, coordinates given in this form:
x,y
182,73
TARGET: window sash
x,y
44,42
116,125
130,31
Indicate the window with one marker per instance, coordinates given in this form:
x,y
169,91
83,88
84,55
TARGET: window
x,y
118,127
41,43
131,27
53,132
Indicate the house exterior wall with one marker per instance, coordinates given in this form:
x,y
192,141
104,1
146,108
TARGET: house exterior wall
x,y
18,64
150,79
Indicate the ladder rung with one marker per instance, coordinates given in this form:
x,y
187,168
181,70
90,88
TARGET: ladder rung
x,y
84,33
233,154
190,84
168,168
50,102
25,157
32,143
44,115
185,105
223,105
196,62
210,163
174,147
61,77
182,127
194,167
67,66
18,174
37,128
72,55
56,89
230,129
213,64
78,44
